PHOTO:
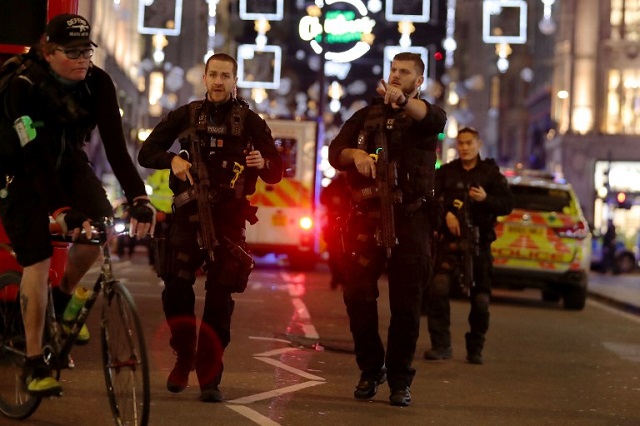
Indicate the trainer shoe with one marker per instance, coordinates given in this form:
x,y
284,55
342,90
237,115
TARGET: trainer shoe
x,y
400,397
475,357
438,354
38,380
367,387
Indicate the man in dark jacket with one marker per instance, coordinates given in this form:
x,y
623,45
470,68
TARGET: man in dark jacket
x,y
50,109
410,126
474,193
236,147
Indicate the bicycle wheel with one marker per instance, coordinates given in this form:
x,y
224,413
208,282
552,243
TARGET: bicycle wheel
x,y
124,358
15,401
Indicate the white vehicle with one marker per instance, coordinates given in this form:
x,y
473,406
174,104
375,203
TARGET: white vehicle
x,y
286,222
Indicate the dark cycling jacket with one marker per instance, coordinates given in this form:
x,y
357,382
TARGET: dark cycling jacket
x,y
66,115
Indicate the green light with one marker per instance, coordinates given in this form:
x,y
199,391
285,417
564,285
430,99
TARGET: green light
x,y
438,163
441,136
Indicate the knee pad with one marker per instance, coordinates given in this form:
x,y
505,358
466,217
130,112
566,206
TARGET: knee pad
x,y
482,302
440,285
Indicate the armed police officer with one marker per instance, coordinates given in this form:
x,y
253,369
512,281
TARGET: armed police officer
x,y
225,148
393,138
474,193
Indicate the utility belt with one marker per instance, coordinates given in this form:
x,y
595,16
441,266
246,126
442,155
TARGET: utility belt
x,y
246,210
360,197
216,196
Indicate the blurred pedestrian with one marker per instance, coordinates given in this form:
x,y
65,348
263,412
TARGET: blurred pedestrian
x,y
609,248
336,198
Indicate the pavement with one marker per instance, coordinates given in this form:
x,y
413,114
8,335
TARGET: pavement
x,y
621,291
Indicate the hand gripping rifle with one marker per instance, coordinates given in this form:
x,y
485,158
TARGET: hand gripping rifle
x,y
203,194
468,243
386,183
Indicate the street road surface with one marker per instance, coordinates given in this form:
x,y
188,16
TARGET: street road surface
x,y
290,362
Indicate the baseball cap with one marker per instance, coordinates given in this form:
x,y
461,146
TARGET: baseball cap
x,y
69,31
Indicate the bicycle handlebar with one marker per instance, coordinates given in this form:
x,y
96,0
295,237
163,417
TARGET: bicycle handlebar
x,y
99,232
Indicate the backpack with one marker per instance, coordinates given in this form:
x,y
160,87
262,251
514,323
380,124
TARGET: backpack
x,y
10,69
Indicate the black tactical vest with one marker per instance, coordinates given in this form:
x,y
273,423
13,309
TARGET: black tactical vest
x,y
414,153
222,147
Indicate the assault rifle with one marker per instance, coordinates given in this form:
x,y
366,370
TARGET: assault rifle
x,y
386,183
468,243
201,191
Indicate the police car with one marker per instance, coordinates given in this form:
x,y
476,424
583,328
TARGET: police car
x,y
545,242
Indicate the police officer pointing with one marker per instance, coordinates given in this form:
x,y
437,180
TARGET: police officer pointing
x,y
410,126
237,148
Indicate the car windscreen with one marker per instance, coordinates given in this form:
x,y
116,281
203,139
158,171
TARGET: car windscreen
x,y
541,199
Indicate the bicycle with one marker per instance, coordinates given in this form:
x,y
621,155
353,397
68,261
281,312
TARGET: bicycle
x,y
124,355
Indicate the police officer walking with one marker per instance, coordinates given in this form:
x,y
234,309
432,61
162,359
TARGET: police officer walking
x,y
410,126
236,147
476,185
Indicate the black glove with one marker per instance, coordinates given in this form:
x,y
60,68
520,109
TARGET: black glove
x,y
142,217
142,211
69,219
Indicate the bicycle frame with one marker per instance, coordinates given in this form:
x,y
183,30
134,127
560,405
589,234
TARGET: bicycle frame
x,y
124,356
62,342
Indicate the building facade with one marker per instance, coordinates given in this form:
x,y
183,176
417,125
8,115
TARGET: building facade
x,y
595,139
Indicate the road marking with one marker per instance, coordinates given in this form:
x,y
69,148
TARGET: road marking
x,y
615,311
270,339
276,352
275,393
301,308
252,415
302,319
626,351
290,369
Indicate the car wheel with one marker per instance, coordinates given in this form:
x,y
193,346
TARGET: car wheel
x,y
575,298
550,296
625,263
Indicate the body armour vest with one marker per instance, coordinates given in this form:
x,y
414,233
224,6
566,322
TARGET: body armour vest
x,y
221,145
414,153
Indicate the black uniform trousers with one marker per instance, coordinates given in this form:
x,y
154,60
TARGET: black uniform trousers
x,y
438,293
406,268
178,297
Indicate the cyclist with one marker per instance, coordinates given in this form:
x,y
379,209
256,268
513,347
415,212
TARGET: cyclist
x,y
49,112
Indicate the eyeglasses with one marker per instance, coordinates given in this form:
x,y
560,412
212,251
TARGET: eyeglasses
x,y
76,53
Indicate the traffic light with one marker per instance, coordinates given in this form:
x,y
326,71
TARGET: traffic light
x,y
438,62
623,200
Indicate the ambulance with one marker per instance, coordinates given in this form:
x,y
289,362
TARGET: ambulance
x,y
287,222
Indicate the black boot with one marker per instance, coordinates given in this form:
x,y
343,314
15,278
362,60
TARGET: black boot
x,y
183,342
367,387
475,343
178,379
